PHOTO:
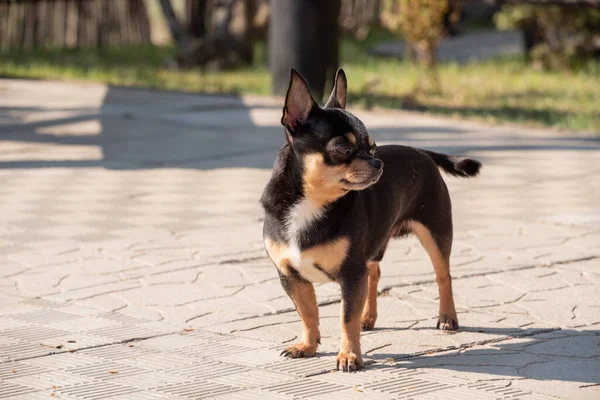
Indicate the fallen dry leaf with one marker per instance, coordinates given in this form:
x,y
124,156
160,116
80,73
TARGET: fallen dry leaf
x,y
55,386
130,345
14,371
189,329
113,372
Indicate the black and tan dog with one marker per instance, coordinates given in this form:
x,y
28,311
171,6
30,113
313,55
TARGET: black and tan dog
x,y
333,203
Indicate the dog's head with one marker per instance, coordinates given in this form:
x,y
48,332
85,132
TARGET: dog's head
x,y
336,152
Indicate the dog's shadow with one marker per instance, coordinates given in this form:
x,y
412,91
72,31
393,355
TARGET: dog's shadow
x,y
541,354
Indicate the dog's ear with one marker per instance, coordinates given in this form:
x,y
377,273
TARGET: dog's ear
x,y
337,99
298,102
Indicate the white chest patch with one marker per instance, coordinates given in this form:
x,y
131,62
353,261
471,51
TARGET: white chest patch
x,y
300,218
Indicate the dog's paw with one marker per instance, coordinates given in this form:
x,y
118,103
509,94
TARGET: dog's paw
x,y
299,350
349,361
447,322
367,322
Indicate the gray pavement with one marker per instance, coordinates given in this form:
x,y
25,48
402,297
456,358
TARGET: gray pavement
x,y
473,46
132,262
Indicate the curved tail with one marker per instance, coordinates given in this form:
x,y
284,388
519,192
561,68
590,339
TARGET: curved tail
x,y
457,166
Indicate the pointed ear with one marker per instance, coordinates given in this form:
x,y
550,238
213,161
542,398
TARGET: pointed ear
x,y
298,102
337,99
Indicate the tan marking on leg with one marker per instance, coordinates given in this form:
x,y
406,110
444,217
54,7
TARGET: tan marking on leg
x,y
369,314
350,357
441,264
328,256
319,261
305,300
279,254
351,137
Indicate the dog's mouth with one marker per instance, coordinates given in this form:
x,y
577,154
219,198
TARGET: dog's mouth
x,y
353,185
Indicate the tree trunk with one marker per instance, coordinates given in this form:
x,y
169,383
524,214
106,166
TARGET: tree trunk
x,y
247,52
304,34
144,23
532,36
196,12
179,35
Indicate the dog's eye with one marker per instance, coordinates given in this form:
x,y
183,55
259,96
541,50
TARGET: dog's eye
x,y
344,150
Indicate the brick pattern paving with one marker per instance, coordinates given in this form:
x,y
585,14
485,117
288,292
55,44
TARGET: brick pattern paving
x,y
131,218
133,358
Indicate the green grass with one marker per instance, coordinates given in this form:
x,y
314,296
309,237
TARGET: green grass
x,y
500,90
136,66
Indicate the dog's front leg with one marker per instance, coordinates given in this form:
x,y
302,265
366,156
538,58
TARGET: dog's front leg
x,y
303,295
354,294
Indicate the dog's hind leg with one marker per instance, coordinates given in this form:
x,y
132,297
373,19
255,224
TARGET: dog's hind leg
x,y
439,253
369,314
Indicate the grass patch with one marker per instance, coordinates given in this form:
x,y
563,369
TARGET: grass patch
x,y
500,90
135,66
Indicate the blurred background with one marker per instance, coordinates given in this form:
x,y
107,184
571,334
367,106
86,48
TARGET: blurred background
x,y
532,62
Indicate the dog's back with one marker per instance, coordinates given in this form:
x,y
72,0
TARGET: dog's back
x,y
411,188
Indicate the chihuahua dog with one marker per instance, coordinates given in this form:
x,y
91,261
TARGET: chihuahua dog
x,y
333,203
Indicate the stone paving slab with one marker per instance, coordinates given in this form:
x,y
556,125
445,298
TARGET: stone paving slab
x,y
189,363
131,218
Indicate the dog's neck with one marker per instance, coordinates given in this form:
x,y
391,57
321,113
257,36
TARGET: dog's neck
x,y
285,186
287,190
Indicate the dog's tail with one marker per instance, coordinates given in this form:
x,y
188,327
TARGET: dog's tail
x,y
457,166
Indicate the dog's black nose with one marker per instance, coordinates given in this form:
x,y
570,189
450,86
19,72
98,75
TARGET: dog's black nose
x,y
375,163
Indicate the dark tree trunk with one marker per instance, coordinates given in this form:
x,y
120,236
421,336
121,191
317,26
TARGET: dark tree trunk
x,y
247,52
179,35
304,34
29,26
532,36
81,22
196,11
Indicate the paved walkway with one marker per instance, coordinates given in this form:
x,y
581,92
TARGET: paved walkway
x,y
473,46
132,264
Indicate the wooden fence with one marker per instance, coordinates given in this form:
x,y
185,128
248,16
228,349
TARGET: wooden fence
x,y
72,23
